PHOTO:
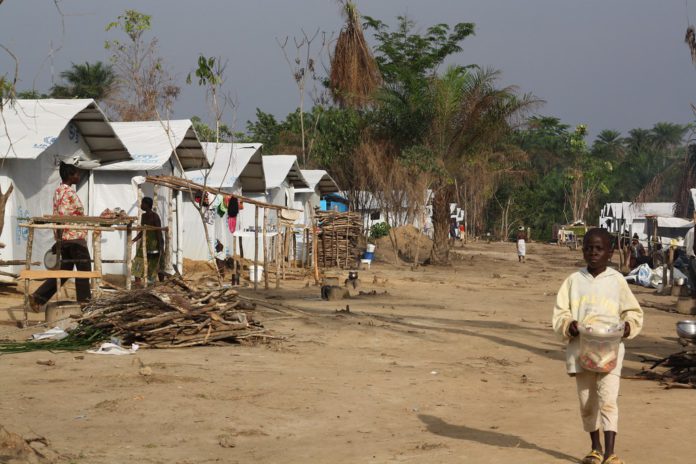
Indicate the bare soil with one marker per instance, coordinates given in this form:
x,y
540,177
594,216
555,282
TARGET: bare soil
x,y
452,364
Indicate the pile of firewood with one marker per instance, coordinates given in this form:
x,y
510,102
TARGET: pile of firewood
x,y
172,314
338,238
681,372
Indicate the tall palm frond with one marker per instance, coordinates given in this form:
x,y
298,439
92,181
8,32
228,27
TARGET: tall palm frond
x,y
354,73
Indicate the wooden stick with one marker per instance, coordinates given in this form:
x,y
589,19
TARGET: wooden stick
x,y
265,247
277,251
256,247
127,255
315,251
294,248
27,266
143,239
168,262
96,247
305,264
285,251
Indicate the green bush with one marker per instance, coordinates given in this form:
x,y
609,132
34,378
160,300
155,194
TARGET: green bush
x,y
379,230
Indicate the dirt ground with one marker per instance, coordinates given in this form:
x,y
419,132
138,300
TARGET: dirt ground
x,y
451,365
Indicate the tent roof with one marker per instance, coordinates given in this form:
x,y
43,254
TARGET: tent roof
x,y
34,125
631,211
318,179
280,167
152,143
232,161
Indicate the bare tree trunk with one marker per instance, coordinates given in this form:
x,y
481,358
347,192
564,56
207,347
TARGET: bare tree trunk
x,y
395,245
441,220
4,197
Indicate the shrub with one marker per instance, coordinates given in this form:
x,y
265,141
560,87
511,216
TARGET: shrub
x,y
379,230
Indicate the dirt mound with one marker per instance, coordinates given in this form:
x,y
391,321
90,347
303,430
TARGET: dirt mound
x,y
198,267
408,240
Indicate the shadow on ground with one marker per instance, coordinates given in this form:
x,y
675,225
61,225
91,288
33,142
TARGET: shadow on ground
x,y
487,437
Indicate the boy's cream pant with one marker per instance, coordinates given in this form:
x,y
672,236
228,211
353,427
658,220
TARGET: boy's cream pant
x,y
598,394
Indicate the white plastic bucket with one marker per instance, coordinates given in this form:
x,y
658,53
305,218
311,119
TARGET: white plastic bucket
x,y
370,248
255,273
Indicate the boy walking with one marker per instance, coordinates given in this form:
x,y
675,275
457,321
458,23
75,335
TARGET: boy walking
x,y
597,292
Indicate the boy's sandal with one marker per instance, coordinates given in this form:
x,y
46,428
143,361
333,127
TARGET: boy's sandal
x,y
613,459
594,457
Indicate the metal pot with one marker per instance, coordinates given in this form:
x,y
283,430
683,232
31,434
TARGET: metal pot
x,y
51,260
687,329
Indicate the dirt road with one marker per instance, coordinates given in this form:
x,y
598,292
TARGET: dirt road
x,y
450,365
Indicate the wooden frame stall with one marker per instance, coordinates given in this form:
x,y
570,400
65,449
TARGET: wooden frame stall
x,y
96,225
261,225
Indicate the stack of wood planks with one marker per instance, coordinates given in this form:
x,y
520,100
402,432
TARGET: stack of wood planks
x,y
338,238
173,314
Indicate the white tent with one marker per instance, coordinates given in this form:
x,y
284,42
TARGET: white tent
x,y
236,168
631,217
157,148
306,198
35,135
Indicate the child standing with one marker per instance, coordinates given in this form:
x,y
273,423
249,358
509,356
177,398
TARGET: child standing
x,y
597,292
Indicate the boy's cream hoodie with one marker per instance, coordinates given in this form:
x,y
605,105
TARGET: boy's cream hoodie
x,y
582,296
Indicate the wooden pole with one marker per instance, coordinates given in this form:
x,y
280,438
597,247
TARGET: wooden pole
x,y
27,266
294,247
128,255
265,247
143,245
234,256
277,251
315,251
96,248
348,246
168,262
285,250
256,247
305,264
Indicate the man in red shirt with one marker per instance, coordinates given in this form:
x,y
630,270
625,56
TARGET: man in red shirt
x,y
73,243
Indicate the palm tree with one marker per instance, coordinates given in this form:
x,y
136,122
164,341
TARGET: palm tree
x,y
471,124
609,143
667,136
95,80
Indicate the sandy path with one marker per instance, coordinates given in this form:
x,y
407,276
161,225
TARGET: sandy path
x,y
452,365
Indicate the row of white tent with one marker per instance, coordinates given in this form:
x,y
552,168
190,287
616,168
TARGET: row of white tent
x,y
641,219
35,135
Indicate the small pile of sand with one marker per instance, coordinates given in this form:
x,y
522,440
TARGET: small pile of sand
x,y
192,266
408,239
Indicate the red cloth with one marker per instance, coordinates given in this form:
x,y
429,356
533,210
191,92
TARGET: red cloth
x,y
232,223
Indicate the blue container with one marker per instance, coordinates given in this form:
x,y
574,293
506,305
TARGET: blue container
x,y
369,255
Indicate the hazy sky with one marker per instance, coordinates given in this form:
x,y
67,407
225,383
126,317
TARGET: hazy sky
x,y
615,64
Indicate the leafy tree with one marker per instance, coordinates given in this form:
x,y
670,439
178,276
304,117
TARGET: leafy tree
x,y
208,134
405,57
31,95
145,88
95,80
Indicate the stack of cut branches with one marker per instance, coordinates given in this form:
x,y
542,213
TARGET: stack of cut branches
x,y
338,239
172,315
681,372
